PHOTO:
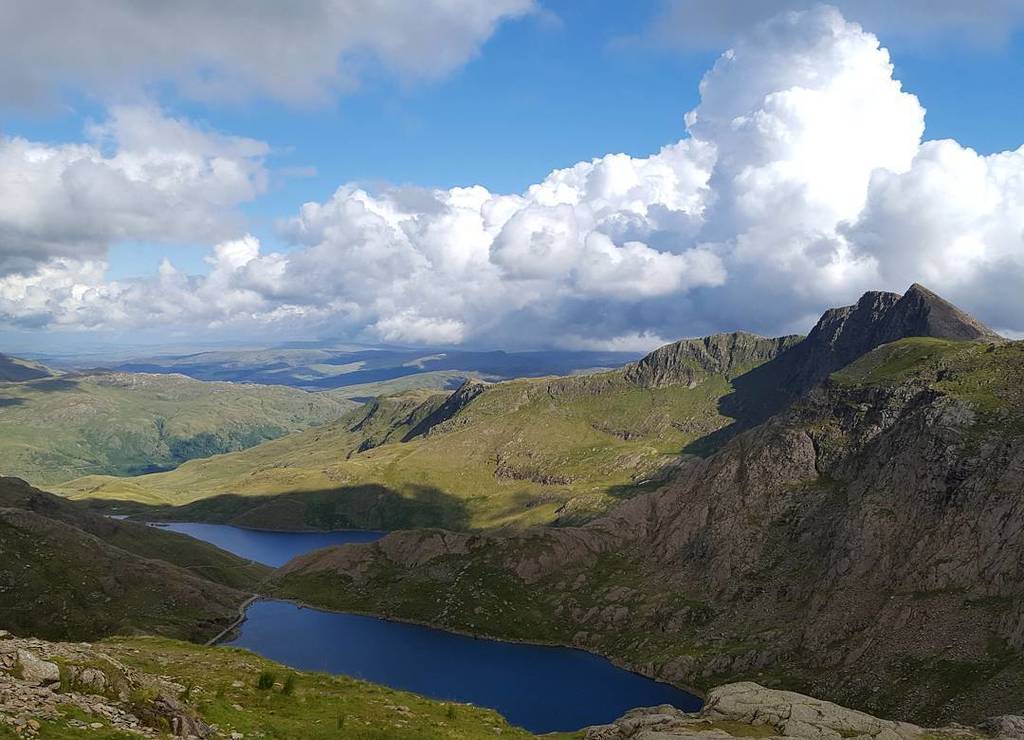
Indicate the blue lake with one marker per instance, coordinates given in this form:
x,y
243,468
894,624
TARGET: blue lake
x,y
543,689
270,548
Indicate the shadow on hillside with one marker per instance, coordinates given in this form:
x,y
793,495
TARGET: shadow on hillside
x,y
350,507
53,385
756,396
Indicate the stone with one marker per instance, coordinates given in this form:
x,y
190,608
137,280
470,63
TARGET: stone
x,y
1005,726
92,679
35,670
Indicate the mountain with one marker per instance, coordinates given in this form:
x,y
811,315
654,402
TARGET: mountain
x,y
528,451
865,543
69,574
15,369
56,428
525,451
320,367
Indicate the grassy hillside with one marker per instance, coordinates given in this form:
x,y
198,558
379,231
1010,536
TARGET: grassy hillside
x,y
54,429
437,380
159,682
519,452
15,369
69,574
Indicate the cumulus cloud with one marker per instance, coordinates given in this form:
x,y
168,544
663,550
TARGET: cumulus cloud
x,y
142,176
709,25
298,52
803,181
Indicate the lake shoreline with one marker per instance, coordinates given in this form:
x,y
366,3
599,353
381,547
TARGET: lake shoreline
x,y
163,522
696,693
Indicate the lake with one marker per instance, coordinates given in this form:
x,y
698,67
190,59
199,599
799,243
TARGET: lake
x,y
543,689
271,548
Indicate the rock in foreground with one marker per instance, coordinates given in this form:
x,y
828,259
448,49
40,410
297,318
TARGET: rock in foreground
x,y
750,710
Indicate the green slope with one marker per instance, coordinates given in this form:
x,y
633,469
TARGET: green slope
x,y
15,369
54,429
518,452
69,574
159,681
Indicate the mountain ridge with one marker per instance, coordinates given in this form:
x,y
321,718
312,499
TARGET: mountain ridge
x,y
871,532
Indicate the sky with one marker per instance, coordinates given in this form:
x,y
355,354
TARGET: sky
x,y
516,173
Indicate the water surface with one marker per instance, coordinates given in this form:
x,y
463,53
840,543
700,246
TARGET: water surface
x,y
271,548
543,689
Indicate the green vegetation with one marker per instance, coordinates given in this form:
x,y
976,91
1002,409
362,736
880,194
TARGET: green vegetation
x,y
519,452
70,574
266,680
989,377
318,706
54,429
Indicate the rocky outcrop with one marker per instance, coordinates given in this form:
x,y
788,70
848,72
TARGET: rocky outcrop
x,y
844,334
750,710
689,361
45,687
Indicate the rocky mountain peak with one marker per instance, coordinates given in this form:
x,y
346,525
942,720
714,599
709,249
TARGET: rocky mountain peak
x,y
922,313
844,334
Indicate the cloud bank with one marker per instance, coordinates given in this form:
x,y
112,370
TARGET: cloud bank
x,y
802,182
297,52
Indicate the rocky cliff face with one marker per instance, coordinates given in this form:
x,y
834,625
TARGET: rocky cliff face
x,y
866,544
687,362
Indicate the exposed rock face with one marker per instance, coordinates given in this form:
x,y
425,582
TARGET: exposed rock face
x,y
747,709
107,692
844,334
687,362
867,544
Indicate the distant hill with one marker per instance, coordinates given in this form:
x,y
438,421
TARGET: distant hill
x,y
15,369
69,574
56,428
521,451
319,368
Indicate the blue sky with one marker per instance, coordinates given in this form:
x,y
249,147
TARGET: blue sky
x,y
748,226
545,92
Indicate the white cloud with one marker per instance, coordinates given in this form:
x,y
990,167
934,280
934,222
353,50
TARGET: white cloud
x,y
298,52
803,182
143,176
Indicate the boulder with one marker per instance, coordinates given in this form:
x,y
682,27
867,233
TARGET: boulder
x,y
1006,726
795,715
37,671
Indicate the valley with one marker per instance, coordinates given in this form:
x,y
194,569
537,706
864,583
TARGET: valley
x,y
834,514
64,426
520,452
